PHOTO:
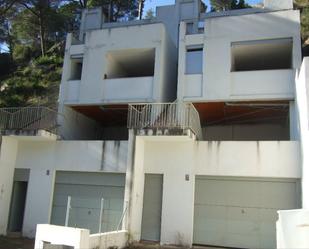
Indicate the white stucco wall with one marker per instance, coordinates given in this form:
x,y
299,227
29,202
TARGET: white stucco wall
x,y
94,89
293,229
40,157
176,157
39,200
8,155
73,155
59,235
108,240
44,158
78,238
302,112
218,82
76,126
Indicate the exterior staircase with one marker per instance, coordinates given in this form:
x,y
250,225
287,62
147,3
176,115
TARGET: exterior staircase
x,y
28,121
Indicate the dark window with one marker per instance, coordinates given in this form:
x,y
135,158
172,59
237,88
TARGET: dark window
x,y
262,55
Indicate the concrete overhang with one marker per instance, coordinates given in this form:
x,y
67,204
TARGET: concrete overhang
x,y
107,115
214,113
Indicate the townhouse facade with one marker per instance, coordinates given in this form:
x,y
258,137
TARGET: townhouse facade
x,y
189,128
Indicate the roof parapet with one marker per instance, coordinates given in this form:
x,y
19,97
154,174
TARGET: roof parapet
x,y
278,4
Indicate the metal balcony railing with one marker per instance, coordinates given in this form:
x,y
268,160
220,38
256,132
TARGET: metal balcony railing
x,y
32,118
170,116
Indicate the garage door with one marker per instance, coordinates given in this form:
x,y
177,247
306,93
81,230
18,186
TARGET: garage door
x,y
240,212
86,191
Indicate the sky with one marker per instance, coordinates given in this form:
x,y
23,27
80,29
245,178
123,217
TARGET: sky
x,y
152,4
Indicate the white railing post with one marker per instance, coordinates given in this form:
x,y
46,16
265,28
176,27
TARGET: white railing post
x,y
67,214
101,215
122,215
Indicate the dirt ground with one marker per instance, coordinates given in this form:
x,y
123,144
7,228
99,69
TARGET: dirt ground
x,y
16,243
25,243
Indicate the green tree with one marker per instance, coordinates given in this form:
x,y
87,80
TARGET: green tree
x,y
36,83
223,5
70,14
41,12
303,6
117,10
149,14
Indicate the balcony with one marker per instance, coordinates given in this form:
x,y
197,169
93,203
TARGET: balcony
x,y
269,83
262,68
127,89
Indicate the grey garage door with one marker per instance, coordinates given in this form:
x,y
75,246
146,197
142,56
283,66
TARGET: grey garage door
x,y
240,212
86,191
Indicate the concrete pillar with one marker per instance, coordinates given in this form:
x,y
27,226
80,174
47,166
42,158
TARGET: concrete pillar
x,y
39,200
134,221
8,156
294,122
128,185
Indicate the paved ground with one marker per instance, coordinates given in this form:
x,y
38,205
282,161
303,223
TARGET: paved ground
x,y
149,245
16,243
24,243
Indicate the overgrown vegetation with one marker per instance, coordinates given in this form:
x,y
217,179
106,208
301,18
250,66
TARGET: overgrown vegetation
x,y
303,7
223,5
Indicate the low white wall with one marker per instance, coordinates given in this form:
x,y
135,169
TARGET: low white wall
x,y
293,229
114,239
59,235
176,157
78,238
